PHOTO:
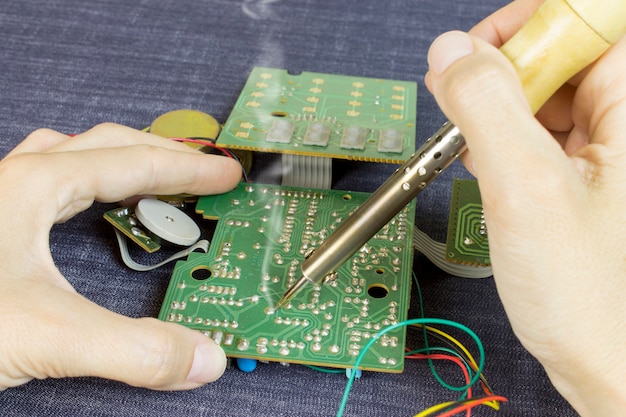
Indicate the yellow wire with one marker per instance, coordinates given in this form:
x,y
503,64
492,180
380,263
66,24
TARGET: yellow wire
x,y
434,409
453,340
493,404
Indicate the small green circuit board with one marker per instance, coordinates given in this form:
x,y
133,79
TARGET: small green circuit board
x,y
124,220
467,242
262,236
317,114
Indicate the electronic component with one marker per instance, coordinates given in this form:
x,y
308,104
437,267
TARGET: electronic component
x,y
317,133
281,131
391,140
150,222
125,220
185,123
353,137
326,115
263,234
467,241
167,222
197,130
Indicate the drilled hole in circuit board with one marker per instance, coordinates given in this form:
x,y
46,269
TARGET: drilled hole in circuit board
x,y
201,274
378,291
347,197
279,114
380,271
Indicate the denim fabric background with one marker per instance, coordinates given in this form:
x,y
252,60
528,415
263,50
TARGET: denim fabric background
x,y
70,64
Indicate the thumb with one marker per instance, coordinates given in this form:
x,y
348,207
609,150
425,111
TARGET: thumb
x,y
479,90
69,335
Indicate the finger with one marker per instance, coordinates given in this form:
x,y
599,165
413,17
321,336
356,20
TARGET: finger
x,y
527,182
71,336
118,173
40,140
556,113
600,103
478,89
110,135
71,181
500,26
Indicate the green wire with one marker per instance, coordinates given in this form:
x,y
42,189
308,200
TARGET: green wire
x,y
422,321
326,370
429,350
431,365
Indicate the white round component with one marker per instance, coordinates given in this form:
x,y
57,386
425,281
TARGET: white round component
x,y
167,222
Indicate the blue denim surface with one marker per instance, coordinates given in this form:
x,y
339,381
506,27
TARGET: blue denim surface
x,y
69,64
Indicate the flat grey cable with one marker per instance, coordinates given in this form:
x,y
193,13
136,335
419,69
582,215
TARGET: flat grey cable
x,y
306,171
436,253
202,245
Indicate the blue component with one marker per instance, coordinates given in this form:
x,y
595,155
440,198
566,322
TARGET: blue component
x,y
246,365
358,374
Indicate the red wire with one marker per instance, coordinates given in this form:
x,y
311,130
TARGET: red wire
x,y
205,143
469,406
439,356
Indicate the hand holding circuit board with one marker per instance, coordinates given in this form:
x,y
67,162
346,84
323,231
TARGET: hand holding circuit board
x,y
62,334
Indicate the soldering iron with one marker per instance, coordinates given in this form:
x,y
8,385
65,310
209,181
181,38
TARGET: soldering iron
x,y
561,38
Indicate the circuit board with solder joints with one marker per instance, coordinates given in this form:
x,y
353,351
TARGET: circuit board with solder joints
x,y
261,237
467,241
318,114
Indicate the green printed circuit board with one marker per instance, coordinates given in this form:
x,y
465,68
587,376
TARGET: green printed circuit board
x,y
318,114
261,237
467,241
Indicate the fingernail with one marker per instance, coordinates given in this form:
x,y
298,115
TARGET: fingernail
x,y
209,363
447,49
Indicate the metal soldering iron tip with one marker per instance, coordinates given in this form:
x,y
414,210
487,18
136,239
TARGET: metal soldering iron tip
x,y
291,292
281,303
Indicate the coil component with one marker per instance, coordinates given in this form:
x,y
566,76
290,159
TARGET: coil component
x,y
467,240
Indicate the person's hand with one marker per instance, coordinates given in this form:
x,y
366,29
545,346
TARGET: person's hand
x,y
49,330
554,196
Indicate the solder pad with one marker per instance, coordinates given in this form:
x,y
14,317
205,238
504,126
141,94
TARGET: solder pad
x,y
327,115
260,239
467,241
124,220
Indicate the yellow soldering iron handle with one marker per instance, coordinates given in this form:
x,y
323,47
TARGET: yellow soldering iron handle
x,y
562,38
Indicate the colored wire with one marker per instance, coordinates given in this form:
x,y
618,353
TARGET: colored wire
x,y
426,344
458,361
326,370
208,143
423,353
456,345
461,350
444,322
454,407
435,408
